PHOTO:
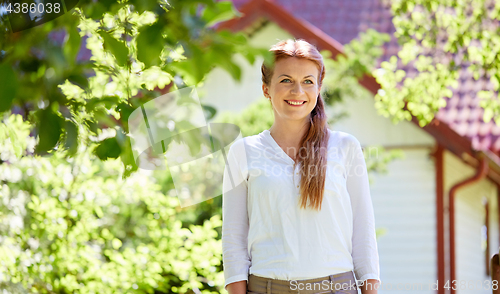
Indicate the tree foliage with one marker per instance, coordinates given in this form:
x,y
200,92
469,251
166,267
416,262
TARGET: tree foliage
x,y
69,221
138,48
438,39
343,73
74,225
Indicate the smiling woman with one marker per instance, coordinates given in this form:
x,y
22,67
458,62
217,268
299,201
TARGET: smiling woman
x,y
296,204
293,84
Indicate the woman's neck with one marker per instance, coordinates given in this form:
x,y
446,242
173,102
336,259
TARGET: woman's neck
x,y
289,133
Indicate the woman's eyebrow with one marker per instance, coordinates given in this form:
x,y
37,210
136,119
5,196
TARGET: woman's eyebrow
x,y
291,77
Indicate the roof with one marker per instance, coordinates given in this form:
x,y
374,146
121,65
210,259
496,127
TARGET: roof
x,y
464,114
343,20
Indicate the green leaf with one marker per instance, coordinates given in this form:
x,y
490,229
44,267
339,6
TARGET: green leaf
x,y
17,148
238,38
251,53
125,111
8,87
92,126
221,11
150,44
80,80
108,101
97,10
98,211
127,158
143,5
209,111
487,115
72,44
116,243
49,130
108,148
190,73
115,47
71,142
222,57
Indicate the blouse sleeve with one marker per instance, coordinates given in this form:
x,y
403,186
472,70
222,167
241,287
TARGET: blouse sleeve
x,y
236,260
364,244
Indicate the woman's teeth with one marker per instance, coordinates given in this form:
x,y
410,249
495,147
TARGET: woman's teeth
x,y
295,103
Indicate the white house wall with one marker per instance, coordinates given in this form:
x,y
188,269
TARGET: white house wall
x,y
372,128
469,220
403,199
404,205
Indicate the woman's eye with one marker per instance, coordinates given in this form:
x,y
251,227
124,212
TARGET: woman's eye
x,y
308,82
285,80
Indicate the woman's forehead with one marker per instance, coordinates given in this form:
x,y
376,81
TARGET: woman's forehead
x,y
296,66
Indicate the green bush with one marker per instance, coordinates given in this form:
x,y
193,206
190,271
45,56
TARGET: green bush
x,y
73,225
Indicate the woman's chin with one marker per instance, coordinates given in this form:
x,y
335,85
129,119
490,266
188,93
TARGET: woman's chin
x,y
296,117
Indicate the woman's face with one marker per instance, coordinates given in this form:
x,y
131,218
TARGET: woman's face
x,y
293,88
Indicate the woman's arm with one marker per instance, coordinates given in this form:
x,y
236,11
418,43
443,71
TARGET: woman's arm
x,y
237,287
235,223
364,243
370,286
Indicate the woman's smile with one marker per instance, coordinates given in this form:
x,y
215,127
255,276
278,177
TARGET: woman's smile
x,y
295,103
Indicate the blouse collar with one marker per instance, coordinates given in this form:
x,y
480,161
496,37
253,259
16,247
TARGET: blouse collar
x,y
277,149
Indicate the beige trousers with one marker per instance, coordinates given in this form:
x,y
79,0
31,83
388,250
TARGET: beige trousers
x,y
343,283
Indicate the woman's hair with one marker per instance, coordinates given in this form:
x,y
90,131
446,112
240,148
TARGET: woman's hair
x,y
315,141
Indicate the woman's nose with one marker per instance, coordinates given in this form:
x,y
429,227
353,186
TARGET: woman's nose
x,y
297,89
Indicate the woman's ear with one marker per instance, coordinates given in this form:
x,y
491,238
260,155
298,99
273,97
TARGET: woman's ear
x,y
265,90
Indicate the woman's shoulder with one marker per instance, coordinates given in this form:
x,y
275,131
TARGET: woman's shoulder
x,y
249,142
342,139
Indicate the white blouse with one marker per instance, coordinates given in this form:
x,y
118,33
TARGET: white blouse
x,y
265,233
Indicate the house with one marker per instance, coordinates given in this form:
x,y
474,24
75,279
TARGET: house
x,y
440,204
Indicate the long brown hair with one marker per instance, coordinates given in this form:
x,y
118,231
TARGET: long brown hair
x,y
315,141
